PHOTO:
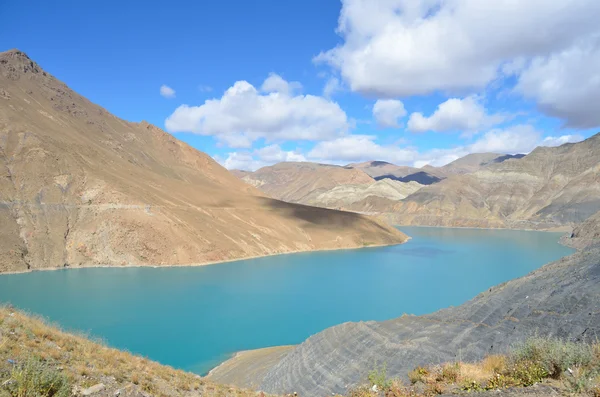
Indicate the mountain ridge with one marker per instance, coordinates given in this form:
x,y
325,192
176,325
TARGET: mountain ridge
x,y
81,187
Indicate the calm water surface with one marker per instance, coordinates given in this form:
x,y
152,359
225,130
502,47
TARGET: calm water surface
x,y
194,318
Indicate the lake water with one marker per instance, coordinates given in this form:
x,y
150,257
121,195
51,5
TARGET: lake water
x,y
195,317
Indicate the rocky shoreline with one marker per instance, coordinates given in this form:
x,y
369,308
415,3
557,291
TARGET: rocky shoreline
x,y
561,299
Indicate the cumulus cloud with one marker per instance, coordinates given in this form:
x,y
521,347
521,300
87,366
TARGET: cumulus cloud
x,y
407,47
566,84
466,115
387,112
561,140
167,91
399,48
354,148
275,113
331,87
253,160
275,83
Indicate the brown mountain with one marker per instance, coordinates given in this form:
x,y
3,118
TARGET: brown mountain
x,y
474,162
384,170
81,187
548,187
296,181
327,186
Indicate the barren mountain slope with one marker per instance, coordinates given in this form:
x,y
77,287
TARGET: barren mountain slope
x,y
585,234
81,187
293,182
382,170
474,162
561,299
240,173
345,196
549,187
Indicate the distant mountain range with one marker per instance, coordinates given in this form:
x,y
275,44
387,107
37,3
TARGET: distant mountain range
x,y
81,187
550,187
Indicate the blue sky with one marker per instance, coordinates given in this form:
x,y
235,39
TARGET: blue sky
x,y
502,77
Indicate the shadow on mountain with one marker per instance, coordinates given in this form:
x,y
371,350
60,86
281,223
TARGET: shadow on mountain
x,y
315,215
502,159
421,177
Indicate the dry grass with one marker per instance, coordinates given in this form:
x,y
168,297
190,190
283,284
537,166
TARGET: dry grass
x,y
25,338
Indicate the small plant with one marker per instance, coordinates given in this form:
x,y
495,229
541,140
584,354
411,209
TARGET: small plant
x,y
471,385
554,355
378,377
37,379
418,375
361,391
433,389
495,364
450,373
579,380
499,381
528,373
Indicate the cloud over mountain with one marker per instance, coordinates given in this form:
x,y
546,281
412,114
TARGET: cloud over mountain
x,y
275,112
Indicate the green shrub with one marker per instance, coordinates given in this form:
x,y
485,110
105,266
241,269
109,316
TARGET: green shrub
x,y
528,373
554,355
378,377
418,375
500,381
35,378
470,385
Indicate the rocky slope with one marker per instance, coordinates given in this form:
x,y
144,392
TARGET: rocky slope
x,y
344,196
295,181
584,234
561,299
81,187
549,187
323,185
474,162
382,170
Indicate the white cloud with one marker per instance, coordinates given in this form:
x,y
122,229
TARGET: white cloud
x,y
515,139
466,115
253,160
399,48
274,154
387,112
357,148
235,140
331,87
204,88
566,84
167,91
276,114
241,161
354,148
275,83
561,140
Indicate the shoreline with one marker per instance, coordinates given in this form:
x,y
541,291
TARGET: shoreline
x,y
559,229
200,264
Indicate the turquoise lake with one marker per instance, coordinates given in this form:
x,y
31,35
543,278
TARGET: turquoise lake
x,y
195,317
